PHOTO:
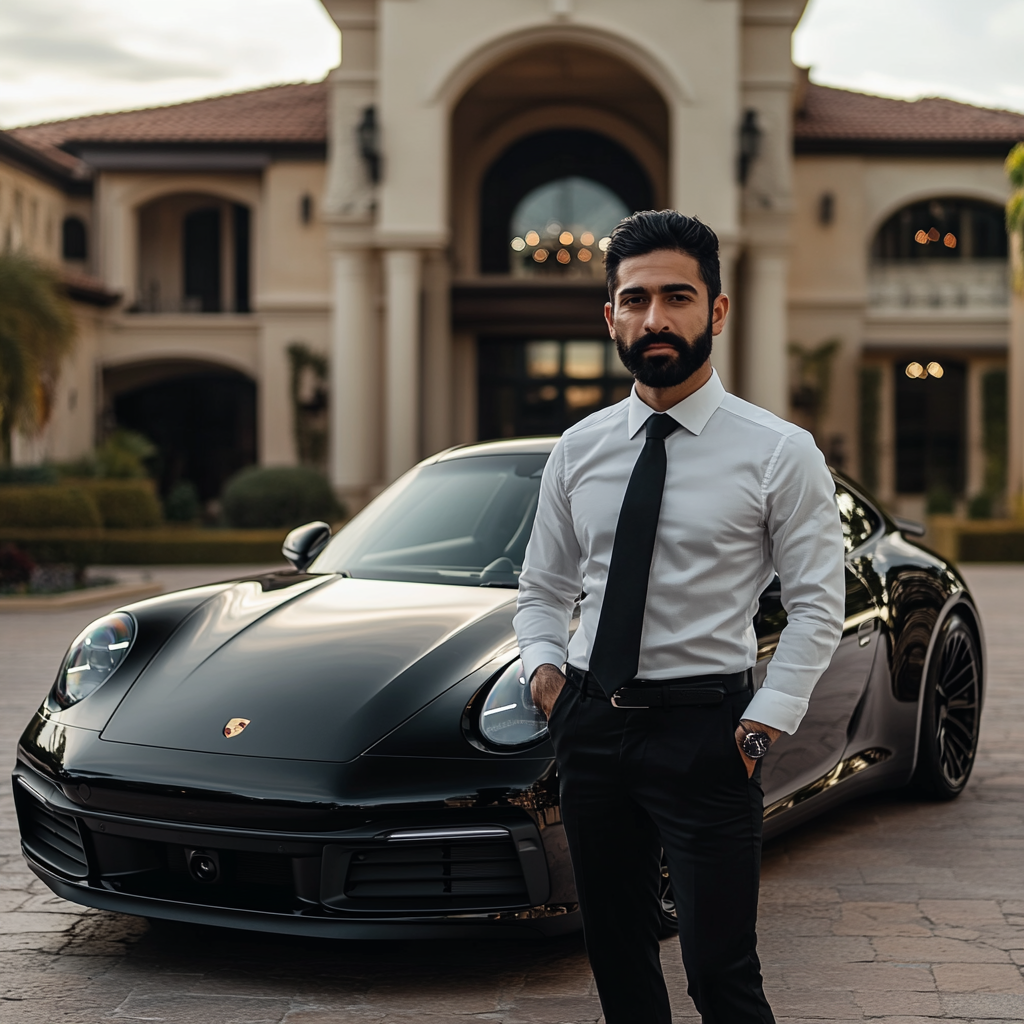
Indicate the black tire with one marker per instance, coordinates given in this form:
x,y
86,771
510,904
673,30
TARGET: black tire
x,y
951,712
668,925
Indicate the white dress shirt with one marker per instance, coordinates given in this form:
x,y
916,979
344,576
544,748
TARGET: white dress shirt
x,y
746,494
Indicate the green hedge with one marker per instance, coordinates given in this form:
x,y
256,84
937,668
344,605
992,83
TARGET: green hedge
x,y
285,496
48,506
148,547
125,504
115,504
1004,546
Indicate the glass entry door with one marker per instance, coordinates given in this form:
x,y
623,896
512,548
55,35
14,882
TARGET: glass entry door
x,y
542,386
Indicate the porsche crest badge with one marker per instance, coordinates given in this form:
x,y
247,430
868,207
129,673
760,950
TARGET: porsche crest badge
x,y
235,726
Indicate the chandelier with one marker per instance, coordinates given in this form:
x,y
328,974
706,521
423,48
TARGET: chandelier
x,y
557,248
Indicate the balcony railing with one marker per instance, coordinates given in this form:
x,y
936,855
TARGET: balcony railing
x,y
932,285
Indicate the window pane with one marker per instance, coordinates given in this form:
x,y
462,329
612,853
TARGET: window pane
x,y
542,358
584,359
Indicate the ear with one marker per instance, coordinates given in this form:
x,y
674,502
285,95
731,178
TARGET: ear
x,y
609,319
719,313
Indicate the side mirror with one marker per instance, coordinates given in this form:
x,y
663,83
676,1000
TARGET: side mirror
x,y
304,543
909,527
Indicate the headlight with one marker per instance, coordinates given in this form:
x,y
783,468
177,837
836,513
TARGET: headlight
x,y
508,718
94,657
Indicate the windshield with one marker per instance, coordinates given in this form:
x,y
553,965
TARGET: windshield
x,y
465,521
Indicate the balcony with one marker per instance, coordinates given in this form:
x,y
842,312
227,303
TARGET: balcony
x,y
933,286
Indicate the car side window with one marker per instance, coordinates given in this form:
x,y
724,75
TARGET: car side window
x,y
858,518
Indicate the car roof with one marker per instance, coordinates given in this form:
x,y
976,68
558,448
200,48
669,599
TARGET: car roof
x,y
513,446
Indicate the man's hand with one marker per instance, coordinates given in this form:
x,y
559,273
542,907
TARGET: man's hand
x,y
742,729
545,686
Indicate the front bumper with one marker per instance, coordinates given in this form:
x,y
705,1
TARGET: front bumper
x,y
459,875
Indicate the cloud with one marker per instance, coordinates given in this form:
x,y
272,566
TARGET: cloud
x,y
915,48
68,57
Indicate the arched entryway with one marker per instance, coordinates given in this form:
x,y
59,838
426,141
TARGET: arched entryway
x,y
201,417
551,148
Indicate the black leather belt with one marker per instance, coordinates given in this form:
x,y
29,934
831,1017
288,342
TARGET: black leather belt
x,y
693,691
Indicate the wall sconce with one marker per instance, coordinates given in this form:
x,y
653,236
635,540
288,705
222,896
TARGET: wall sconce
x,y
306,208
750,144
368,135
826,208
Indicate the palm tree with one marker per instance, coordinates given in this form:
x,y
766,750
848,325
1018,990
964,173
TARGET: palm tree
x,y
37,330
1015,214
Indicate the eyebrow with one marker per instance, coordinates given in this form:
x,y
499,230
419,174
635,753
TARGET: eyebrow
x,y
665,289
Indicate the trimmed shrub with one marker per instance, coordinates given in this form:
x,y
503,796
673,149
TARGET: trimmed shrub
x,y
182,504
48,506
283,497
980,506
124,504
175,546
28,475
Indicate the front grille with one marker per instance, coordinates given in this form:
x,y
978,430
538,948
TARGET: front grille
x,y
437,871
52,838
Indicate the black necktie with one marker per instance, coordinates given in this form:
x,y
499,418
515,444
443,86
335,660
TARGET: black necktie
x,y
615,656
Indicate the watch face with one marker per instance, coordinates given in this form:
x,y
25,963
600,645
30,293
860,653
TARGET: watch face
x,y
756,744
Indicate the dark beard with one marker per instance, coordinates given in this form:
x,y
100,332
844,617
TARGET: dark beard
x,y
665,371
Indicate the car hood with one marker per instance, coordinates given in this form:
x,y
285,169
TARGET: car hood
x,y
321,670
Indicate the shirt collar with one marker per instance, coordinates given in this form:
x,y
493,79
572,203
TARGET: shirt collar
x,y
692,412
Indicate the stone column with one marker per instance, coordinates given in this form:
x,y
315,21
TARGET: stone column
x,y
1015,400
724,358
765,319
353,420
401,361
438,418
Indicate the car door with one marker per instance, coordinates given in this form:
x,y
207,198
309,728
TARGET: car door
x,y
818,745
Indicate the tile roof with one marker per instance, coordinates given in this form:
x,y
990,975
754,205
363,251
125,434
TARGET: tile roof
x,y
835,118
279,115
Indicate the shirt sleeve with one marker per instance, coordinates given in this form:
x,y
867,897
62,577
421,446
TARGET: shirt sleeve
x,y
806,541
551,578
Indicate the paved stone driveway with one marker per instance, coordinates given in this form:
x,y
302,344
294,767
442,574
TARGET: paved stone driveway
x,y
886,910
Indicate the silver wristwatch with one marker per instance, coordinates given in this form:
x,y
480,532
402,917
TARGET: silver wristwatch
x,y
755,744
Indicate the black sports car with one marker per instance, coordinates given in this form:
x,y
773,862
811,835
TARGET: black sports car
x,y
349,749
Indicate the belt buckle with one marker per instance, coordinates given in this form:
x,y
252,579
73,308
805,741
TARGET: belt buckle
x,y
625,707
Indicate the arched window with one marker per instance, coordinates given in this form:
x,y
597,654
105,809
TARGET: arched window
x,y
563,227
943,228
568,175
74,241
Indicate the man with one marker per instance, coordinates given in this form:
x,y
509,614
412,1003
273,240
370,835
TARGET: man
x,y
665,517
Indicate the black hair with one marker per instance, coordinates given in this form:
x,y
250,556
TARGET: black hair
x,y
650,230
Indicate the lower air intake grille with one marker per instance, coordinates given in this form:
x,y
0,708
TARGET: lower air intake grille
x,y
440,871
52,838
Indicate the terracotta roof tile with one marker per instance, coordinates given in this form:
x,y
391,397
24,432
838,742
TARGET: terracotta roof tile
x,y
836,115
281,114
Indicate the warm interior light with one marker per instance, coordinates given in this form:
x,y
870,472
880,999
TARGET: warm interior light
x,y
580,396
566,238
587,238
915,370
604,243
921,237
585,255
518,244
532,238
933,234
949,241
540,255
563,256
548,393
935,369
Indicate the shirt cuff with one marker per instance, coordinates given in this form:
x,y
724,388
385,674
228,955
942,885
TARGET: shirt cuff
x,y
777,709
541,654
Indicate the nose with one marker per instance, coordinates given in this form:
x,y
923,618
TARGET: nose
x,y
657,321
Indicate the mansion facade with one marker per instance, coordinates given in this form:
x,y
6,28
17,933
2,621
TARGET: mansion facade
x,y
360,272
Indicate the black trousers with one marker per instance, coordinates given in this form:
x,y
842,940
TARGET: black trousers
x,y
634,783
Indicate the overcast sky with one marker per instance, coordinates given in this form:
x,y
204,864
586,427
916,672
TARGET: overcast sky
x,y
59,58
